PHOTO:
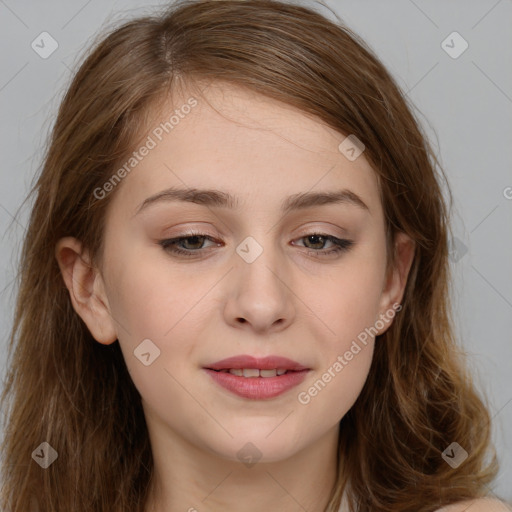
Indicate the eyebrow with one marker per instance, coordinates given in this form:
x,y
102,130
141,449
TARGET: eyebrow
x,y
219,198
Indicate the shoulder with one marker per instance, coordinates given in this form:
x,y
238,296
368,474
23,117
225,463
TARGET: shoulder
x,y
477,505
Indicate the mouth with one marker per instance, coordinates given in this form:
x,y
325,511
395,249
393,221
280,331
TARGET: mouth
x,y
257,378
250,364
255,372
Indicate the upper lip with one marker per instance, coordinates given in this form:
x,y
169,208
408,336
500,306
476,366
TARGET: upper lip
x,y
260,363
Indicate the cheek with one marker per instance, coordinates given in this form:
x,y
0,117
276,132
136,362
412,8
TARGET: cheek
x,y
151,296
152,300
350,308
350,299
333,390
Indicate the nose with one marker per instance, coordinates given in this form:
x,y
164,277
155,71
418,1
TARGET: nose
x,y
259,295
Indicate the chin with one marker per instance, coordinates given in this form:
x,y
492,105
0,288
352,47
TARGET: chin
x,y
251,446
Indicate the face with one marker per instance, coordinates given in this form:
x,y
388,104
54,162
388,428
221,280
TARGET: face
x,y
268,266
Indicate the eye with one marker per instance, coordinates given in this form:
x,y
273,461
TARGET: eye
x,y
186,245
317,241
192,244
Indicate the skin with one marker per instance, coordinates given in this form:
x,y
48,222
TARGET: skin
x,y
478,505
197,310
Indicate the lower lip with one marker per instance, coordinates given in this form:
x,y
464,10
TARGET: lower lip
x,y
258,388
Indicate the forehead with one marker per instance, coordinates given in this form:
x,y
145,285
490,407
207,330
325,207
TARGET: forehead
x,y
253,147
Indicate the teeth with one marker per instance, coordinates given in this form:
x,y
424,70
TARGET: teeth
x,y
255,372
251,372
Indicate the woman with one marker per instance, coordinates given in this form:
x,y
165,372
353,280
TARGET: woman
x,y
234,287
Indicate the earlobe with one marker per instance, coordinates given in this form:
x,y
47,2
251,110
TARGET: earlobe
x,y
396,281
86,289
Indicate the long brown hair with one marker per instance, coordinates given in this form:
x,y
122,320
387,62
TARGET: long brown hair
x,y
65,389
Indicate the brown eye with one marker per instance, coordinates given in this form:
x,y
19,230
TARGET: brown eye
x,y
316,243
188,245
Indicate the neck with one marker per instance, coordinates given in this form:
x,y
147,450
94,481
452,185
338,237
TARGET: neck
x,y
186,478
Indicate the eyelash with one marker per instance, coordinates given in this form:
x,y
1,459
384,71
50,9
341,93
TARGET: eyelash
x,y
341,245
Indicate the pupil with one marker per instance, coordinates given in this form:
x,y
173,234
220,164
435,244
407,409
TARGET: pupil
x,y
317,237
194,240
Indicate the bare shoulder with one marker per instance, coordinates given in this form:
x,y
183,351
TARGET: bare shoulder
x,y
478,505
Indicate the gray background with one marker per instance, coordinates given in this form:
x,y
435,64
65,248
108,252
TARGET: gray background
x,y
464,104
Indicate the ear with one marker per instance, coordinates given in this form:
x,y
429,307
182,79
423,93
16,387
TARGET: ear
x,y
396,277
86,289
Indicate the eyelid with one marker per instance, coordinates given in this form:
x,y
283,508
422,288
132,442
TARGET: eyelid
x,y
321,229
340,245
203,234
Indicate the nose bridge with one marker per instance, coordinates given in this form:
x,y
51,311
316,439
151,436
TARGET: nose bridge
x,y
260,294
259,266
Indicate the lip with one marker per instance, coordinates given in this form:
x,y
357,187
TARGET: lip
x,y
257,388
261,363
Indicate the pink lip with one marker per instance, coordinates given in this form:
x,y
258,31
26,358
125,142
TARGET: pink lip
x,y
257,388
264,363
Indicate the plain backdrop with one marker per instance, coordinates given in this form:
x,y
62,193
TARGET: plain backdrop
x,y
463,98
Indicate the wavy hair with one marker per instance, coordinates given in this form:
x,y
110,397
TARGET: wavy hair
x,y
64,388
